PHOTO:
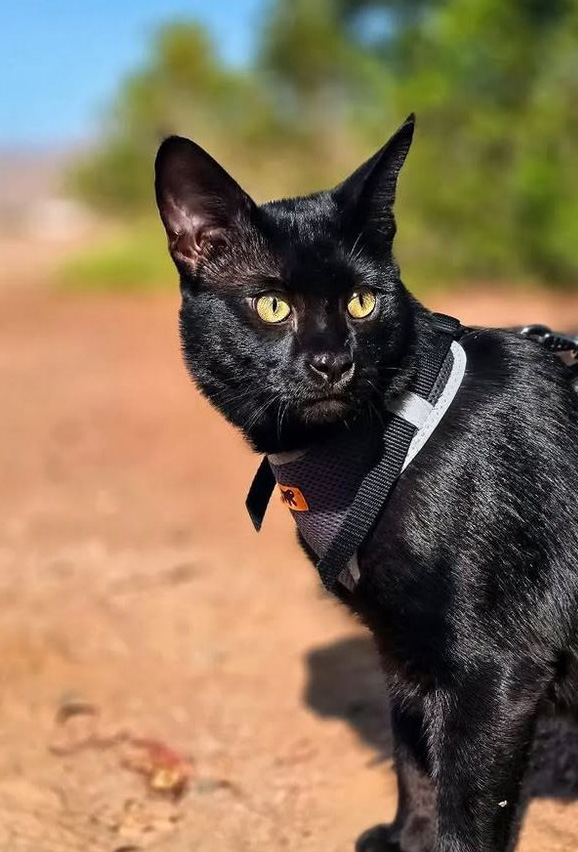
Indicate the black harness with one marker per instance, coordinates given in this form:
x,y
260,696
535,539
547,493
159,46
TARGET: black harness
x,y
378,481
375,473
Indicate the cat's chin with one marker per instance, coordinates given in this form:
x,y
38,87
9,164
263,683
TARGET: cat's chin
x,y
320,411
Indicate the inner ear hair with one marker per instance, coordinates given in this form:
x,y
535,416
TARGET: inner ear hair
x,y
195,243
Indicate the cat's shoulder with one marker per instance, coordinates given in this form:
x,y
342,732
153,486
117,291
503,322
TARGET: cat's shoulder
x,y
503,359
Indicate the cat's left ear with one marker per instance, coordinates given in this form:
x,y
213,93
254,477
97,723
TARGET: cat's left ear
x,y
370,191
199,202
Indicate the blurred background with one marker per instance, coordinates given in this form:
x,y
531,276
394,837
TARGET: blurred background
x,y
170,680
291,95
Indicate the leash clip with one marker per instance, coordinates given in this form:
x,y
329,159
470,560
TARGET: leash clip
x,y
537,332
551,340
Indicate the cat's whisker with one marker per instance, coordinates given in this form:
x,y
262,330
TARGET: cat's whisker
x,y
229,401
350,258
374,408
254,417
280,415
223,395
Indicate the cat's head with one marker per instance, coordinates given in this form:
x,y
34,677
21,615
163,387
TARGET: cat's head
x,y
293,318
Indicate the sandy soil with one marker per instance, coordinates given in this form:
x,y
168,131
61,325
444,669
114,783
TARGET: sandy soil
x,y
137,602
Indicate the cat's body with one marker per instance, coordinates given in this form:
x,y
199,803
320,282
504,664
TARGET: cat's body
x,y
470,585
469,581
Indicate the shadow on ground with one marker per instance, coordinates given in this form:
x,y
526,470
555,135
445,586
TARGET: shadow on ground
x,y
345,681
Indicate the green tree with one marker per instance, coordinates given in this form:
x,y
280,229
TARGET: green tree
x,y
490,187
183,88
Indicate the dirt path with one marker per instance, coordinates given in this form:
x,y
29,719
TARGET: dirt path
x,y
132,586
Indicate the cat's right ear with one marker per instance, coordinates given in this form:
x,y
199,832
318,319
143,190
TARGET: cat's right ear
x,y
199,203
370,191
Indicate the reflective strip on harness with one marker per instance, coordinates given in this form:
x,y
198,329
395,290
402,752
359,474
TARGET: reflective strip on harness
x,y
454,381
412,407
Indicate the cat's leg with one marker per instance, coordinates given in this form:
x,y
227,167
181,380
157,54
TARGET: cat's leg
x,y
412,829
481,739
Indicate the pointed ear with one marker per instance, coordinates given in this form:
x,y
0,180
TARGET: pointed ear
x,y
370,191
198,201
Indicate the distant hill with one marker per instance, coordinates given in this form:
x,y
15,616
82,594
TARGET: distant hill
x,y
27,177
32,198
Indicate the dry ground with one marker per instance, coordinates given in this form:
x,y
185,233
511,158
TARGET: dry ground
x,y
131,581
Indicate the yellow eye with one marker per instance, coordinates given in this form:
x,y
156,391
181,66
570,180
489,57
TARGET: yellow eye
x,y
272,308
361,304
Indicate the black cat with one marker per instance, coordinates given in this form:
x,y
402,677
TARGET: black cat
x,y
296,325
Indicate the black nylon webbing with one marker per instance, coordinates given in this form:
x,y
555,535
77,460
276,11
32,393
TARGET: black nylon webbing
x,y
378,483
260,493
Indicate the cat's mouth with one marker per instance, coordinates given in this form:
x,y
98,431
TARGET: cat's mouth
x,y
325,408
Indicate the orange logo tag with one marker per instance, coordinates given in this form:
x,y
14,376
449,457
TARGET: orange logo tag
x,y
291,496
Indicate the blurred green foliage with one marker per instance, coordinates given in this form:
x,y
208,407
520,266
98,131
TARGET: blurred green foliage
x,y
490,189
134,259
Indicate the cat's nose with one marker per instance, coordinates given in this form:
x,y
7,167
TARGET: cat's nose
x,y
332,368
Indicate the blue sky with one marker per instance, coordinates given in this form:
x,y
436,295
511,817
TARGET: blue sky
x,y
60,60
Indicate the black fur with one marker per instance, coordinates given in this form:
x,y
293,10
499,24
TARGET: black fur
x,y
469,580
